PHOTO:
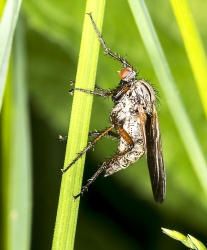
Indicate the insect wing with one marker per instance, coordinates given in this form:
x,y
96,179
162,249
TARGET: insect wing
x,y
155,157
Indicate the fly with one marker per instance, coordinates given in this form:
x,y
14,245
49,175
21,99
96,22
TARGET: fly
x,y
135,121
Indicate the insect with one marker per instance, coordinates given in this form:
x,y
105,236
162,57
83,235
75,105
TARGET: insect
x,y
135,121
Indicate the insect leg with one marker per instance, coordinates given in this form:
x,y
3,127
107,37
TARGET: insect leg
x,y
106,164
122,132
97,133
96,86
103,167
90,145
90,92
102,93
106,49
100,89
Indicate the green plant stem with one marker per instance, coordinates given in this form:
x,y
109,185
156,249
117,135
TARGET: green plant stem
x,y
7,26
16,153
193,46
67,213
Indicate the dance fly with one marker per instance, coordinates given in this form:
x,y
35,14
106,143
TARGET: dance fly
x,y
134,122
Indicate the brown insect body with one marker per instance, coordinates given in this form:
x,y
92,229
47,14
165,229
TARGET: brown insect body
x,y
133,109
135,121
127,113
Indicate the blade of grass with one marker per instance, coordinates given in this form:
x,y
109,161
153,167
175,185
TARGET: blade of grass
x,y
6,124
7,26
2,3
170,91
193,46
67,213
16,154
188,241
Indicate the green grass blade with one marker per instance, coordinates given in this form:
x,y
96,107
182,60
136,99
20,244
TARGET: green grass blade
x,y
16,154
174,102
2,3
7,26
193,45
66,220
188,241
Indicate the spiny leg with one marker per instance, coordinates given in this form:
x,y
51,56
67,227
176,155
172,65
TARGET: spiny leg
x,y
99,88
119,90
103,93
119,129
104,166
107,131
96,86
94,133
91,144
106,49
110,133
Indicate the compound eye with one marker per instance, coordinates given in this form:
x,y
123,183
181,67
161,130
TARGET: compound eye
x,y
124,73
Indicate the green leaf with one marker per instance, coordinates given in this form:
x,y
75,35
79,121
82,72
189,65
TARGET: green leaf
x,y
7,26
188,241
16,153
198,245
193,45
174,234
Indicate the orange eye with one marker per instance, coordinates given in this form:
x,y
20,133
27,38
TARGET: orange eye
x,y
124,72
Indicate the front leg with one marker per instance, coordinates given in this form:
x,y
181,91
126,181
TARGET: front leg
x,y
102,92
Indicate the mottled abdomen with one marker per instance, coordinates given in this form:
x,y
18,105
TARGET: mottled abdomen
x,y
133,128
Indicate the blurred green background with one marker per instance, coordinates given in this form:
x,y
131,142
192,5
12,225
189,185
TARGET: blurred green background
x,y
118,212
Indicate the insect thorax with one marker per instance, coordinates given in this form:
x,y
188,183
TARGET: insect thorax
x,y
139,93
126,110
